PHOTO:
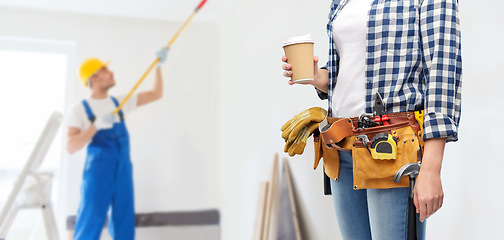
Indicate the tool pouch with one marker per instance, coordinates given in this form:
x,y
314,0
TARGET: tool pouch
x,y
367,171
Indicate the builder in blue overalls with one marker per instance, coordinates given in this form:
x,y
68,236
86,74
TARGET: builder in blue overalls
x,y
107,178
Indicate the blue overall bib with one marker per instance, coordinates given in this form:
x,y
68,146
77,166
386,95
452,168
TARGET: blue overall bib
x,y
107,181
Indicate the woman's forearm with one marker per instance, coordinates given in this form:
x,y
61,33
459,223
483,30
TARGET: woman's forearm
x,y
433,155
428,191
321,81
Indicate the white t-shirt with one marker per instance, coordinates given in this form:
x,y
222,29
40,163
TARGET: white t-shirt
x,y
78,117
349,34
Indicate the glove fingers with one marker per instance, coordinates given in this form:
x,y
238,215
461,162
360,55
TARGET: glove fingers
x,y
316,115
312,127
287,146
299,149
287,124
291,151
300,142
306,123
294,148
288,131
297,130
304,136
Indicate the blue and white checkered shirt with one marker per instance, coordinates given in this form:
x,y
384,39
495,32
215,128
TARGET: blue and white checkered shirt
x,y
413,57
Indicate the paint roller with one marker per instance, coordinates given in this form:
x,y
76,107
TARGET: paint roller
x,y
200,5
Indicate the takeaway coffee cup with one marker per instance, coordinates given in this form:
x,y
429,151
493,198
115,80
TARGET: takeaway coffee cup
x,y
299,52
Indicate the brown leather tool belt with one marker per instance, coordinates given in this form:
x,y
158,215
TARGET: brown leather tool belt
x,y
341,134
334,130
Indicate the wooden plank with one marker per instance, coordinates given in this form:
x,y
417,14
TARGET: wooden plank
x,y
269,202
274,206
288,225
292,199
260,211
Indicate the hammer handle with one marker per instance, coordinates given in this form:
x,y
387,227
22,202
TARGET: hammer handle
x,y
412,216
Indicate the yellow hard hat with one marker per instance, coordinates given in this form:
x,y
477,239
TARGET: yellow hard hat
x,y
89,67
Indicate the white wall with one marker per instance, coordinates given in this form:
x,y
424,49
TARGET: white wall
x,y
226,100
170,10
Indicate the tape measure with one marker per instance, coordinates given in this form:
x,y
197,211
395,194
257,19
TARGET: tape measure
x,y
384,146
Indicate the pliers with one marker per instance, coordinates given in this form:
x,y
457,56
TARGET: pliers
x,y
379,111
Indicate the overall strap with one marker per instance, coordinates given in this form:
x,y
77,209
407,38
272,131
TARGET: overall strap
x,y
89,113
117,105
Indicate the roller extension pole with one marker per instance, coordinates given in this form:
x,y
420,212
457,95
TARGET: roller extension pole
x,y
200,5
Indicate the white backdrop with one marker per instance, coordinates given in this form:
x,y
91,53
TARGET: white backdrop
x,y
212,137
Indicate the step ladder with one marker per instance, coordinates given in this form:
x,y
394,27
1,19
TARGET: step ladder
x,y
33,188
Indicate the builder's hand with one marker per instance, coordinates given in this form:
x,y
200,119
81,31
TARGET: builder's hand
x,y
162,54
428,191
104,122
288,70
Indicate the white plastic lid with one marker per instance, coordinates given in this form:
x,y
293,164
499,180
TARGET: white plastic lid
x,y
299,39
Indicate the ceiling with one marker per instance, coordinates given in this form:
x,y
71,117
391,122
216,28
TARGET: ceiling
x,y
171,10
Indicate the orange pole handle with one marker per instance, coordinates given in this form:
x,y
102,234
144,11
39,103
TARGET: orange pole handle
x,y
157,59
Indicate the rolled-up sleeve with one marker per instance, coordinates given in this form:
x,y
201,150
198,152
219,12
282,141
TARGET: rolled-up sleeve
x,y
441,49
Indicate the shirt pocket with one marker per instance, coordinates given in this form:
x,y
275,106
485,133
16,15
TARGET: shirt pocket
x,y
400,32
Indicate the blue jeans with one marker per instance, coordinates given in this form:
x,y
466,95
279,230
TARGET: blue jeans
x,y
370,213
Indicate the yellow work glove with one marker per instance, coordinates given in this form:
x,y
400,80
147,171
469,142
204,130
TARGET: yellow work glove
x,y
298,144
291,129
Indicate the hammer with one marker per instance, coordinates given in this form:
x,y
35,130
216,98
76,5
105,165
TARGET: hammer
x,y
411,170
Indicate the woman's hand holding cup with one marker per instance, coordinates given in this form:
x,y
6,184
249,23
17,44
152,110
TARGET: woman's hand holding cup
x,y
298,61
288,70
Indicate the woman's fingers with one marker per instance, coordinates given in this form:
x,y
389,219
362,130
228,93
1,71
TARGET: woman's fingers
x,y
424,211
428,205
415,201
286,66
287,69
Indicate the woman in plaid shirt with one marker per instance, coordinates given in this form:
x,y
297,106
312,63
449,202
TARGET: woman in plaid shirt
x,y
409,52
